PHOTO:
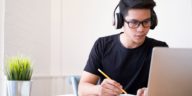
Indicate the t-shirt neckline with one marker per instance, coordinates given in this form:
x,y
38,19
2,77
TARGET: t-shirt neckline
x,y
121,47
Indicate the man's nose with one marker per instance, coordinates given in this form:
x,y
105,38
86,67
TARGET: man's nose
x,y
140,27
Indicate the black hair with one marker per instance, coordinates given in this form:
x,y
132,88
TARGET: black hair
x,y
125,5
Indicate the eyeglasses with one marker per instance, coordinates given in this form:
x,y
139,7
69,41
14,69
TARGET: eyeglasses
x,y
135,23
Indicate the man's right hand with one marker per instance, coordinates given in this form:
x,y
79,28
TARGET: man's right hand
x,y
109,88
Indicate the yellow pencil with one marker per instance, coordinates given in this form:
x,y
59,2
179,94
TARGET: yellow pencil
x,y
105,75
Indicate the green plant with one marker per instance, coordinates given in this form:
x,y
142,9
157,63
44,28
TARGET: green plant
x,y
19,68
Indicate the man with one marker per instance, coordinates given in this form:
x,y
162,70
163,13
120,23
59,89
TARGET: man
x,y
124,57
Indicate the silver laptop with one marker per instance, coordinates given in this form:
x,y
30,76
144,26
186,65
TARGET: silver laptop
x,y
170,72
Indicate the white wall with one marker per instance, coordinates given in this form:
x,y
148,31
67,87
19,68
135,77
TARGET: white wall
x,y
83,21
2,76
56,27
174,22
1,34
27,32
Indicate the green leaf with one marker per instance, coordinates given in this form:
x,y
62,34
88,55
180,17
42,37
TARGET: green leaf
x,y
19,68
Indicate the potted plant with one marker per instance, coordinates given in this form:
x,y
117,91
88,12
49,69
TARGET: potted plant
x,y
19,72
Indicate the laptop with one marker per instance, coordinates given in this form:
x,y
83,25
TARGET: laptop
x,y
170,72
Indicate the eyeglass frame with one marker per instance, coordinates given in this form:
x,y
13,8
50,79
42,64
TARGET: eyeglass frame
x,y
148,20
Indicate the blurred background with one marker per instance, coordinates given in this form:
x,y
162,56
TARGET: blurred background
x,y
59,34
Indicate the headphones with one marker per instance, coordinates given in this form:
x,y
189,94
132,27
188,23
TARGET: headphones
x,y
119,19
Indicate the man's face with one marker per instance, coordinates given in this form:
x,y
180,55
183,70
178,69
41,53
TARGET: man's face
x,y
137,24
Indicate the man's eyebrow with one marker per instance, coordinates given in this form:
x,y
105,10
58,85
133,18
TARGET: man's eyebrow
x,y
139,20
147,19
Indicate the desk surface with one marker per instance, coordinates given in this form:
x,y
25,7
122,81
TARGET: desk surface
x,y
127,95
120,95
66,95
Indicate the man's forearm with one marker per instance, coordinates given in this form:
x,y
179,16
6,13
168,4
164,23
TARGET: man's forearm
x,y
87,89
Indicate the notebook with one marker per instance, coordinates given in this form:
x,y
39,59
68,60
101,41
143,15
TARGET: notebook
x,y
170,72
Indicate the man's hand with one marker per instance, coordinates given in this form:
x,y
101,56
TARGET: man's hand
x,y
109,88
142,92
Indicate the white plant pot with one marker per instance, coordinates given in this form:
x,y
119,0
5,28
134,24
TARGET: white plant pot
x,y
19,88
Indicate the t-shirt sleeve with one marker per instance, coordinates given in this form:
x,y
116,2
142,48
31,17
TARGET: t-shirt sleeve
x,y
164,44
95,58
159,44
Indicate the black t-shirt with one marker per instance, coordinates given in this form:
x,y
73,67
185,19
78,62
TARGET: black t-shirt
x,y
129,67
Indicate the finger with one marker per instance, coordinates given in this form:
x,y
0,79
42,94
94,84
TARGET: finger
x,y
146,92
140,92
109,92
111,87
110,84
114,83
103,91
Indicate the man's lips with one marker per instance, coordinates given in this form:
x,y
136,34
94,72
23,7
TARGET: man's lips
x,y
140,36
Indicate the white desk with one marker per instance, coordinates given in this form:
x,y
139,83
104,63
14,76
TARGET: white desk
x,y
120,95
66,95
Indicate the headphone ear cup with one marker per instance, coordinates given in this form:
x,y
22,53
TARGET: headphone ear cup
x,y
154,20
119,21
